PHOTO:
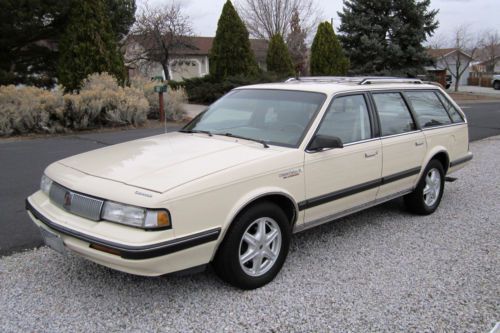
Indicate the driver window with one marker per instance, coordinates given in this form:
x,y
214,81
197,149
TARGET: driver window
x,y
348,119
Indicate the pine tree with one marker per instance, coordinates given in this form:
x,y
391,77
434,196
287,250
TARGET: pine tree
x,y
296,44
385,37
231,53
278,58
327,56
88,45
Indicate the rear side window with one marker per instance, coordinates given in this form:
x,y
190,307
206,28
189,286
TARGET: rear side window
x,y
395,118
347,118
428,108
452,111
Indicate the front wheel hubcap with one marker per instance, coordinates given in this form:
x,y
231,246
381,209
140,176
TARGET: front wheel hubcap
x,y
432,187
260,246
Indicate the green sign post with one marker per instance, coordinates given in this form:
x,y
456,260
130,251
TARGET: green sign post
x,y
160,89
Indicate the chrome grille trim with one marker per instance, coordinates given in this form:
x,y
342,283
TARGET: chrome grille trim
x,y
79,204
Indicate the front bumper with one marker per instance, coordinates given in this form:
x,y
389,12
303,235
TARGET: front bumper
x,y
150,260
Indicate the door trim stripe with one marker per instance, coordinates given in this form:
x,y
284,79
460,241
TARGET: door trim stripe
x,y
332,196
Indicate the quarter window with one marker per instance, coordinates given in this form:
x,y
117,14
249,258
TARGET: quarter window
x,y
428,108
347,118
395,118
452,111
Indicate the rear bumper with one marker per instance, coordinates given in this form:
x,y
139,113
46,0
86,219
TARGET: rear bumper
x,y
150,260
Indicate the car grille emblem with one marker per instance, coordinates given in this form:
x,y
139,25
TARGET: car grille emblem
x,y
67,200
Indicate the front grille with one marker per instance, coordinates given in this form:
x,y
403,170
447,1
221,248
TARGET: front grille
x,y
76,203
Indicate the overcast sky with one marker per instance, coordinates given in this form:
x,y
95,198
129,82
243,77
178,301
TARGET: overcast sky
x,y
480,15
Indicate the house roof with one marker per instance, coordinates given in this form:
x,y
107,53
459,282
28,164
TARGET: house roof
x,y
441,53
202,45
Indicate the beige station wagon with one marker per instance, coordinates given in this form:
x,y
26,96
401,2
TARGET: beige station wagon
x,y
261,163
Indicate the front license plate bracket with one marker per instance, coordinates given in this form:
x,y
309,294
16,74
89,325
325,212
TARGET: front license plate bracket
x,y
53,241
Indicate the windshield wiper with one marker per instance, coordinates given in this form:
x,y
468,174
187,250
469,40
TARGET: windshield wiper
x,y
197,131
262,142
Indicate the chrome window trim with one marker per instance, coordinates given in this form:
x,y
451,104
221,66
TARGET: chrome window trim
x,y
443,126
400,134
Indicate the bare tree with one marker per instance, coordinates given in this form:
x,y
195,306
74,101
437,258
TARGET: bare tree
x,y
160,31
266,18
465,45
491,48
296,44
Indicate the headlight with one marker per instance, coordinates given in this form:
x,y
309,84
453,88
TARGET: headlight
x,y
45,184
135,216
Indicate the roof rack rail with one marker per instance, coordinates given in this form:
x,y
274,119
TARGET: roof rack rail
x,y
372,80
353,79
331,79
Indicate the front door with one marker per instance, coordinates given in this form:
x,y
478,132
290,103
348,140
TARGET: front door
x,y
342,178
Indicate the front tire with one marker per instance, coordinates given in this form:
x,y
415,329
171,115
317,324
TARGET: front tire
x,y
496,85
255,247
425,199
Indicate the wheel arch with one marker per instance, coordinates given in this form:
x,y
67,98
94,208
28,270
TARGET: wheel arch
x,y
443,158
282,199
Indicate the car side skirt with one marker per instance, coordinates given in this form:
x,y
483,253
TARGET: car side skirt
x,y
330,218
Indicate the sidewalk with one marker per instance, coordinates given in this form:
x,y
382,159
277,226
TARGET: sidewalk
x,y
485,91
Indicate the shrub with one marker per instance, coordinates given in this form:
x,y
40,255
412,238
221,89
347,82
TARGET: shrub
x,y
29,109
102,102
174,99
207,89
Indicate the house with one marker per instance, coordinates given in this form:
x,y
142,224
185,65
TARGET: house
x,y
490,66
451,59
185,62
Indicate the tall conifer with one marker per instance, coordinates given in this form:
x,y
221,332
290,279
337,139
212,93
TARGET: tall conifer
x,y
231,53
278,57
88,45
327,56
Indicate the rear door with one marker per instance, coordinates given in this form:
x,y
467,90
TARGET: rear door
x,y
403,144
343,178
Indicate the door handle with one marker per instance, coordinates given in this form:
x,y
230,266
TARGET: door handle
x,y
371,155
418,143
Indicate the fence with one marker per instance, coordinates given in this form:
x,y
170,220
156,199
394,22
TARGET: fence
x,y
479,79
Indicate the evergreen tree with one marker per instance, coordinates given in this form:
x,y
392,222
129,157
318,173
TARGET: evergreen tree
x,y
27,31
231,53
30,31
385,37
327,56
278,58
296,44
88,45
121,14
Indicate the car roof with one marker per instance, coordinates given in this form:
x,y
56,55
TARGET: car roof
x,y
331,85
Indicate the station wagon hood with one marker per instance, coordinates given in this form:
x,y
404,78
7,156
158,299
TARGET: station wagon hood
x,y
163,162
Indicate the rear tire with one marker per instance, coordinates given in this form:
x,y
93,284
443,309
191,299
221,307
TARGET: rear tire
x,y
496,85
255,247
425,199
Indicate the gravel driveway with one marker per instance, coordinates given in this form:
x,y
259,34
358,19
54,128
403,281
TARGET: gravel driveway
x,y
379,270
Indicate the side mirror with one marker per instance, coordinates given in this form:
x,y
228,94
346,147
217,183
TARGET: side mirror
x,y
325,141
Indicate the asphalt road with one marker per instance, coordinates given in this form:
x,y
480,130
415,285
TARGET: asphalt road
x,y
23,161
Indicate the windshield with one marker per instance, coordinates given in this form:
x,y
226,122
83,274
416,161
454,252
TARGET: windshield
x,y
278,117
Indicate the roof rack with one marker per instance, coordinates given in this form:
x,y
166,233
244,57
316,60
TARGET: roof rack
x,y
331,79
389,80
354,79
